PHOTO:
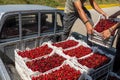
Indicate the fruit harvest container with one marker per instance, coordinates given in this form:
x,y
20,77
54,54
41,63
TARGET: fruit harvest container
x,y
97,72
101,25
80,77
24,65
101,70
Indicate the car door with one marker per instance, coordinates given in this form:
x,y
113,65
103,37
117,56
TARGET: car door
x,y
37,27
19,31
29,29
9,35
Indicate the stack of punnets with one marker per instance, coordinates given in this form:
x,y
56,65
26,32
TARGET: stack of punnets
x,y
56,60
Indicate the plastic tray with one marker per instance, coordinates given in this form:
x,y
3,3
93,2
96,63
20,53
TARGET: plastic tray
x,y
96,73
98,39
102,70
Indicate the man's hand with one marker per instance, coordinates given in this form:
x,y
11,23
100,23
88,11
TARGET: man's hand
x,y
105,15
89,28
106,34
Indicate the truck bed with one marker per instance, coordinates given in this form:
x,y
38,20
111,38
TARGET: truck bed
x,y
8,71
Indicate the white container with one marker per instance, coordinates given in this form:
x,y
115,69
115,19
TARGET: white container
x,y
83,75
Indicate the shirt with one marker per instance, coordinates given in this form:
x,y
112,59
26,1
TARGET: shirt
x,y
69,6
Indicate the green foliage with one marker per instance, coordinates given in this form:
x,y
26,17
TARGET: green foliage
x,y
52,3
12,2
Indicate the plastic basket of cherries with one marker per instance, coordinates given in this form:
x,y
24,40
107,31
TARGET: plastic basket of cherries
x,y
101,25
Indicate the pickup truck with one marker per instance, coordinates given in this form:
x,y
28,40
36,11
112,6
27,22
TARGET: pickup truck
x,y
23,26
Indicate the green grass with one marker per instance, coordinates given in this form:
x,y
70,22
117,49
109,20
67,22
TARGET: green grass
x,y
52,3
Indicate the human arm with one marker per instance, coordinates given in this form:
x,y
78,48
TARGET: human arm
x,y
115,14
107,33
83,16
97,8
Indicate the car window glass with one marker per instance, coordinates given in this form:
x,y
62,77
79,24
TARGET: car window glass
x,y
29,24
59,22
47,22
10,27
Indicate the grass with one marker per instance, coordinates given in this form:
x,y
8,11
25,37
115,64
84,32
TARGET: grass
x,y
52,3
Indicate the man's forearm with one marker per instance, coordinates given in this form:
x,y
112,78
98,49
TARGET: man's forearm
x,y
115,27
80,11
96,7
115,14
83,16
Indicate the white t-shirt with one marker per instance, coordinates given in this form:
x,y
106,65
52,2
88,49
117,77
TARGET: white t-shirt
x,y
69,6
